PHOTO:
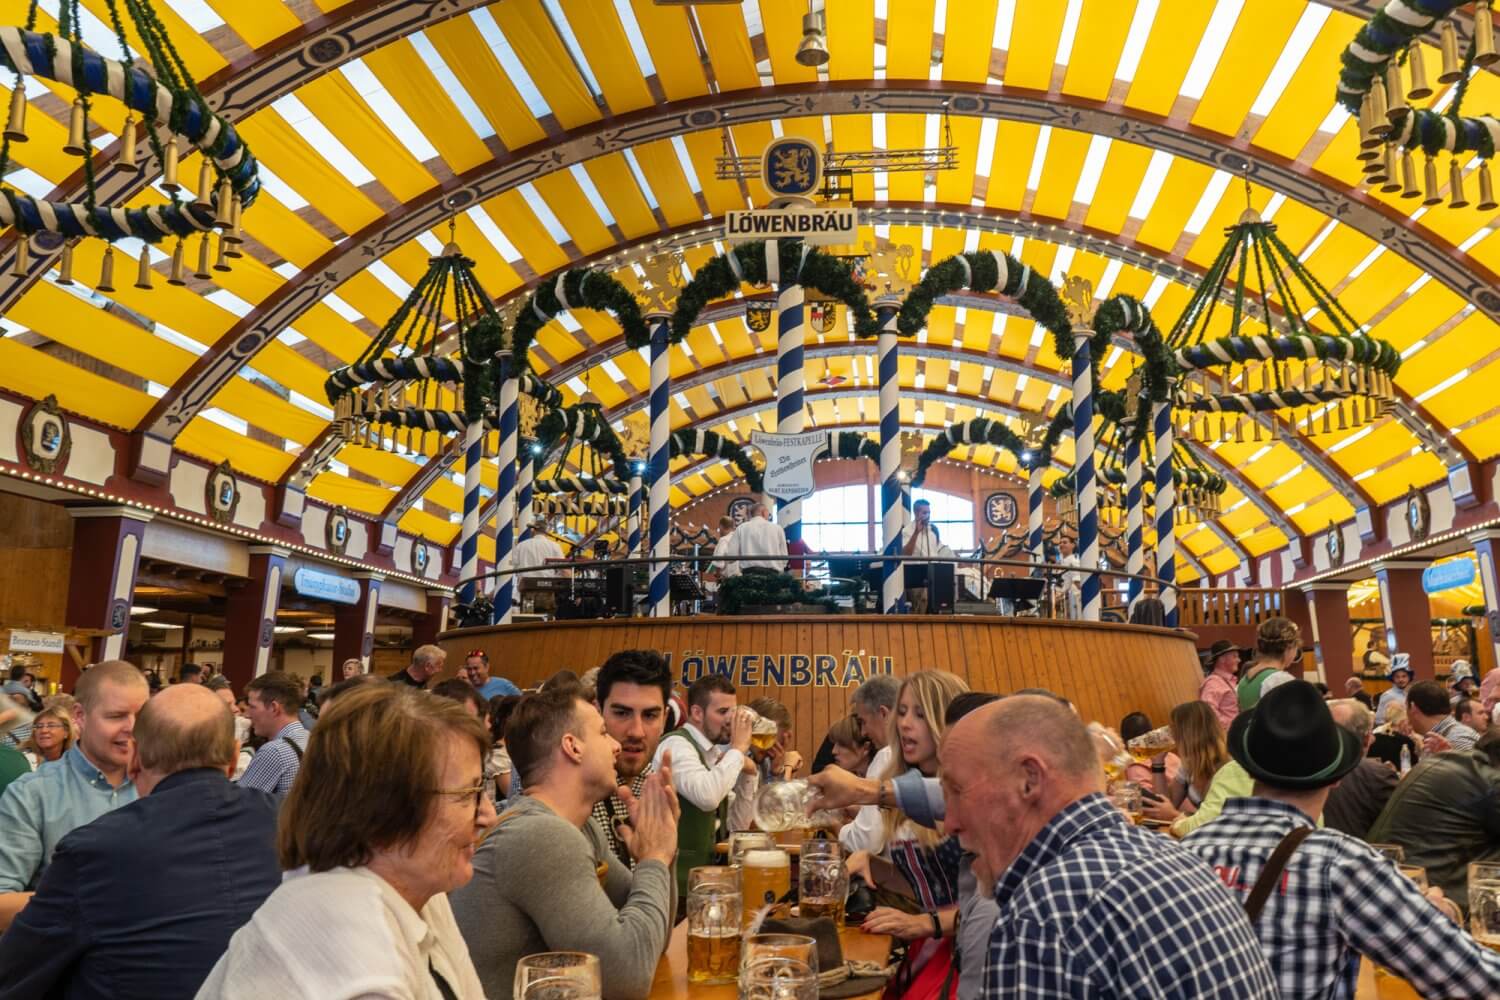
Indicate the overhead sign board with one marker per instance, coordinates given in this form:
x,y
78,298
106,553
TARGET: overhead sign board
x,y
827,226
1446,576
325,586
35,642
789,461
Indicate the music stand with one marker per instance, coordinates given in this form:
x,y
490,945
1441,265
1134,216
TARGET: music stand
x,y
1020,593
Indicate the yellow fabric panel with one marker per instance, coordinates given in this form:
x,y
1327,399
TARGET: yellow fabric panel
x,y
982,329
636,370
957,186
851,39
1102,28
366,498
1487,252
294,160
966,42
284,232
493,271
705,346
525,231
35,374
1227,213
1015,338
387,467
856,132
1378,286
1174,204
1135,282
70,321
674,196
1343,248
668,36
411,83
1015,145
905,132
369,295
1033,398
180,308
211,441
339,107
541,52
607,50
1259,35
256,23
202,59
1169,51
1297,224
806,127
1337,159
970,378
1289,126
1466,399
567,201
700,401
736,338
332,333
946,243
261,408
1034,35
823,413
1065,153
1429,307
782,20
703,149
729,53
467,54
436,530
1124,166
730,392
1483,438
558,345
1459,348
292,369
908,39
1315,517
751,140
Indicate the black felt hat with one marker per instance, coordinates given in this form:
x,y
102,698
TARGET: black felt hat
x,y
1289,739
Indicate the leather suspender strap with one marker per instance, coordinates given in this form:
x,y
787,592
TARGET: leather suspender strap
x,y
1271,873
295,748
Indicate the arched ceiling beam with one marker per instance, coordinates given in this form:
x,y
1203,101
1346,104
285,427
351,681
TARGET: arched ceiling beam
x,y
242,88
193,391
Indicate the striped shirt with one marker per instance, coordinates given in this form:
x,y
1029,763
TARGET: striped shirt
x,y
274,766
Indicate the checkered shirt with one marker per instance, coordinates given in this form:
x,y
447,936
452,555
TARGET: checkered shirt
x,y
1095,907
1337,900
606,811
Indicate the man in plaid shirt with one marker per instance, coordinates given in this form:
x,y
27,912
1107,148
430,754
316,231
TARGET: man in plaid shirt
x,y
1336,899
633,687
1090,906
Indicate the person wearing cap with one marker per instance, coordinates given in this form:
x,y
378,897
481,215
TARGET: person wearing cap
x,y
1399,673
1218,688
1319,899
1461,682
1278,644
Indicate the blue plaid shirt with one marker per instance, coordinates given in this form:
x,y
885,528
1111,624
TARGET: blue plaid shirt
x,y
1094,907
1339,899
275,765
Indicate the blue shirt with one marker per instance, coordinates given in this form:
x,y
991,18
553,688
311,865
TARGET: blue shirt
x,y
497,687
1094,907
41,808
1390,696
275,765
142,902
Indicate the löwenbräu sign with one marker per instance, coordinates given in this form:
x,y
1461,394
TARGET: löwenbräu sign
x,y
847,669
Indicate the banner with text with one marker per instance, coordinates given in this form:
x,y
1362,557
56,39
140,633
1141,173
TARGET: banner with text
x,y
825,226
789,461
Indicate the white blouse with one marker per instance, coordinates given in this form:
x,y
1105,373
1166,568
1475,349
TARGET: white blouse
x,y
343,934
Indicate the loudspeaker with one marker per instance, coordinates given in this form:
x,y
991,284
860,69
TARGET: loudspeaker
x,y
619,594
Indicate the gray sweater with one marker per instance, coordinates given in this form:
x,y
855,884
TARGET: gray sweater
x,y
536,888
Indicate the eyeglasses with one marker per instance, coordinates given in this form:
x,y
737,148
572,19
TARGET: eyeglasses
x,y
463,795
42,727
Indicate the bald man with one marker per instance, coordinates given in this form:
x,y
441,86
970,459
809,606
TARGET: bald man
x,y
1089,905
142,901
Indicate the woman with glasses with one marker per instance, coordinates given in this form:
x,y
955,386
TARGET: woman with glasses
x,y
51,735
380,825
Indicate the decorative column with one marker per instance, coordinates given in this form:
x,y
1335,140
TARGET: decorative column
x,y
1332,634
468,533
1166,509
1485,544
250,619
426,628
1408,618
633,533
790,414
505,512
101,580
354,624
525,489
1135,511
658,468
1078,295
1035,514
892,509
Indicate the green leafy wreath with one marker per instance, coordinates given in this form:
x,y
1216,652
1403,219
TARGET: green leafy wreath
x,y
996,433
716,445
853,444
749,590
833,276
579,288
584,423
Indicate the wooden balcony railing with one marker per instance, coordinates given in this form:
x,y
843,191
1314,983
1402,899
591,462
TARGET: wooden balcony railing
x,y
1225,606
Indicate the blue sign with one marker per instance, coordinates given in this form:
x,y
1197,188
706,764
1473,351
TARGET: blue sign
x,y
325,586
1446,576
791,167
1000,510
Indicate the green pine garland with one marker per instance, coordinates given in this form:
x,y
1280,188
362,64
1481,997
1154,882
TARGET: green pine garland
x,y
716,445
751,590
813,268
592,429
585,288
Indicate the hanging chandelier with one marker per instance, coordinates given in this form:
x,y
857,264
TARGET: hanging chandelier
x,y
1269,359
406,391
162,102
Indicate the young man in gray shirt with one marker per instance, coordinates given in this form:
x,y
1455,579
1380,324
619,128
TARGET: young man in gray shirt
x,y
546,880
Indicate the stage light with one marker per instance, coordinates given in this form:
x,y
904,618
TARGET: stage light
x,y
536,449
814,48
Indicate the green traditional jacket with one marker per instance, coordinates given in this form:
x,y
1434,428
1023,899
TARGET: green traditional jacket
x,y
697,831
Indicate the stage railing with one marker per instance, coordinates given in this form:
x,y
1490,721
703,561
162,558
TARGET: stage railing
x,y
1226,606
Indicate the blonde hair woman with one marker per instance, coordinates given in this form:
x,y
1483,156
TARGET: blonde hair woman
x,y
52,733
1202,749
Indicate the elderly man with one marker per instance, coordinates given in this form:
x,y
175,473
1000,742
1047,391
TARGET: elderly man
x,y
575,895
351,667
142,901
1319,899
1089,905
631,691
1354,803
1218,688
41,808
1354,688
758,537
426,663
872,703
1431,716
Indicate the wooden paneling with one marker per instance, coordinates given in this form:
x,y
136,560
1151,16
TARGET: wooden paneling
x,y
1106,670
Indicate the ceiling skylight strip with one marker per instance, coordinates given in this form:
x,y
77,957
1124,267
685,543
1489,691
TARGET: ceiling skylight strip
x,y
1211,48
685,161
1151,182
280,189
1093,167
1445,384
1069,33
1314,16
1107,281
509,62
198,15
391,114
448,80
1043,139
1135,41
538,204
640,177
637,39
592,193
96,34
383,273
343,308
494,235
1207,202
1005,17
570,42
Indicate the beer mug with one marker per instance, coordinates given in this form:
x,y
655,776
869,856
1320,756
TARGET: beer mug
x,y
822,880
1127,798
767,947
558,975
1484,903
1388,984
765,877
713,913
1392,852
748,840
778,979
783,805
1148,745
763,731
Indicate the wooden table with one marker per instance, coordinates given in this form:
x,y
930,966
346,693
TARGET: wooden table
x,y
671,975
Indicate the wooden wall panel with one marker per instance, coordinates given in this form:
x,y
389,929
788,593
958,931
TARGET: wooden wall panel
x,y
1106,670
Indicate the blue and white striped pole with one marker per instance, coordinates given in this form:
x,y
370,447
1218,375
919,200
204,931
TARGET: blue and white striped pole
x,y
893,513
659,501
1084,482
1034,514
790,417
468,540
1166,509
505,513
633,537
1135,511
525,489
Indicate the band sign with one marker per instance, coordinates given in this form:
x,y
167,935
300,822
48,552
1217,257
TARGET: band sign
x,y
1000,510
1446,576
325,586
789,461
828,226
35,642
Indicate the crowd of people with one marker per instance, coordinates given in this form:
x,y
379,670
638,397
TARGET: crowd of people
x,y
411,837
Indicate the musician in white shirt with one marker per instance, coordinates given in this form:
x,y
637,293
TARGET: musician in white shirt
x,y
718,572
757,536
920,538
1072,582
536,551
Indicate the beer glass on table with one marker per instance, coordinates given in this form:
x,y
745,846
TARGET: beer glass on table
x,y
713,913
1127,798
822,880
1393,853
765,876
558,975
742,841
762,947
778,979
1484,903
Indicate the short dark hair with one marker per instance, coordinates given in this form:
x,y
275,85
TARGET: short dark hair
x,y
963,704
536,725
643,667
1135,724
921,503
483,656
1464,709
501,707
316,680
279,687
702,690
190,670
462,691
1429,697
564,678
